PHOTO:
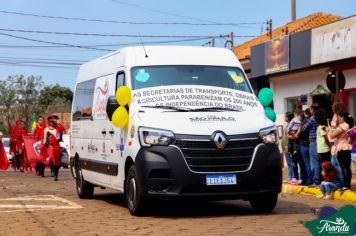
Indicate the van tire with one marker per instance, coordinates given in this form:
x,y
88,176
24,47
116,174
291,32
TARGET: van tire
x,y
264,203
135,201
85,190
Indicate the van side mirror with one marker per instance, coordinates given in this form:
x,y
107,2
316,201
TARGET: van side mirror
x,y
111,106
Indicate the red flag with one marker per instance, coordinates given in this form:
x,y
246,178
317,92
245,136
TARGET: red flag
x,y
39,134
32,148
4,164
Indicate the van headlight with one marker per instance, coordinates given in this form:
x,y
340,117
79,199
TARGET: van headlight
x,y
151,136
269,135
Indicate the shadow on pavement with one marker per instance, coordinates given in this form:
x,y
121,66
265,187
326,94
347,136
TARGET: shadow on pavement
x,y
169,208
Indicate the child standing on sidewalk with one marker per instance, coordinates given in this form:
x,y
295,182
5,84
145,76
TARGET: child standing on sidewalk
x,y
331,180
322,141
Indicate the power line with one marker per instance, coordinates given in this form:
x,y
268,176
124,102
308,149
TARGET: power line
x,y
241,24
41,59
38,66
101,45
164,12
44,63
37,62
119,35
54,43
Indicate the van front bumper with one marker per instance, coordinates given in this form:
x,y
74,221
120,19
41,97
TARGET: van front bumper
x,y
163,171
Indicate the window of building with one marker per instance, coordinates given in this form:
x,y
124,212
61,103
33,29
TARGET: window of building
x,y
83,100
292,104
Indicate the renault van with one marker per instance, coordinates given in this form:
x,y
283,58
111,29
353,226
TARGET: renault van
x,y
195,129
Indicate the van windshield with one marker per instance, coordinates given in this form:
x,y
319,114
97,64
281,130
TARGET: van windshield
x,y
217,76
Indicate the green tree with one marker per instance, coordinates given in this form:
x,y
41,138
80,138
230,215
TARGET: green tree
x,y
59,105
52,96
20,97
7,97
27,96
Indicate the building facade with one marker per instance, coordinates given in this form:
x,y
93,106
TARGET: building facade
x,y
296,66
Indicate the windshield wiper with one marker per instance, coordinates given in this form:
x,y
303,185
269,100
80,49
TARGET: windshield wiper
x,y
214,109
182,109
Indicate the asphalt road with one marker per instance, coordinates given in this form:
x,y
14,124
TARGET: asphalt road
x,y
31,205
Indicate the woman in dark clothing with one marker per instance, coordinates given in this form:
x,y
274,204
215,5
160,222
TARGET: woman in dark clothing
x,y
304,148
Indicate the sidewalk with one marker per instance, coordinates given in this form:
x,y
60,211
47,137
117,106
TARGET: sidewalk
x,y
348,195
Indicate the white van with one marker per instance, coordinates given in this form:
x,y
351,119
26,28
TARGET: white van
x,y
195,129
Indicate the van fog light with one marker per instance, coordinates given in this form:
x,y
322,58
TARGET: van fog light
x,y
269,138
269,135
151,136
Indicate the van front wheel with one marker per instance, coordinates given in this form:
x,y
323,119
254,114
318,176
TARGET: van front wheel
x,y
264,203
135,201
85,190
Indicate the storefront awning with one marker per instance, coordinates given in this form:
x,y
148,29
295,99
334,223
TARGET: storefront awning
x,y
320,90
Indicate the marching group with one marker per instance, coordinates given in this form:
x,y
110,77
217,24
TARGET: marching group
x,y
319,151
46,138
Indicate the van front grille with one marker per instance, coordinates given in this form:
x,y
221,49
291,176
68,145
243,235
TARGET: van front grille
x,y
203,156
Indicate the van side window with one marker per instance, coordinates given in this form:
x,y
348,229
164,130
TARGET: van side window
x,y
83,100
120,79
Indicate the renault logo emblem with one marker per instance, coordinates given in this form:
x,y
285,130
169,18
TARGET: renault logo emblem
x,y
220,140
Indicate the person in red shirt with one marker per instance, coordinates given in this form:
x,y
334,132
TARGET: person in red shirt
x,y
16,139
60,128
331,181
12,144
20,154
52,137
39,135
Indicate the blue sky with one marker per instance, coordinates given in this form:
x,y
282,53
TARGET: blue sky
x,y
222,11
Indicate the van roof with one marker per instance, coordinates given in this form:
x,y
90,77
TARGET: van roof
x,y
156,55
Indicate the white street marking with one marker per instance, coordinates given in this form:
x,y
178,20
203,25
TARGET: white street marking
x,y
61,203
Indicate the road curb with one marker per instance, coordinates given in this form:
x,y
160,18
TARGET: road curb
x,y
347,195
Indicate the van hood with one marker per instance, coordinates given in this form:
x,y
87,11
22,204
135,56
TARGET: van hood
x,y
202,123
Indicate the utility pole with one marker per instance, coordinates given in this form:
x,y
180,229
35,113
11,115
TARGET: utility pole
x,y
232,40
293,10
269,28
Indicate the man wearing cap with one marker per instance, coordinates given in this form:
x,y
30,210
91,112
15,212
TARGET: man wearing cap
x,y
311,126
52,138
60,128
